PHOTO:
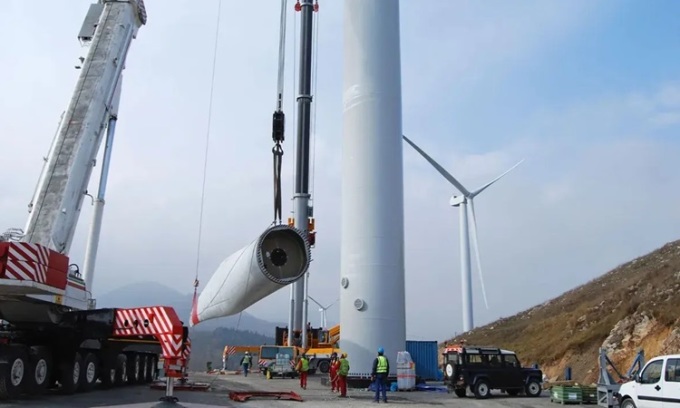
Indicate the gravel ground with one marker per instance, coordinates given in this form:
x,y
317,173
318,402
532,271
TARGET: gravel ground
x,y
316,395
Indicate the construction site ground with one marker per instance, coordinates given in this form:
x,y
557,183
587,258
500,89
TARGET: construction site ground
x,y
316,395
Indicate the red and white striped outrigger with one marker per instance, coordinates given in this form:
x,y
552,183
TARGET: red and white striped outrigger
x,y
162,324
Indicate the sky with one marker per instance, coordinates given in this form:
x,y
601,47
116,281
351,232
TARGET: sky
x,y
588,93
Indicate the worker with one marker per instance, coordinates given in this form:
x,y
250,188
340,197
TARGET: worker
x,y
333,372
342,375
302,367
381,368
246,361
225,357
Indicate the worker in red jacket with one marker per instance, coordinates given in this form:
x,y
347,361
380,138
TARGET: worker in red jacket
x,y
333,372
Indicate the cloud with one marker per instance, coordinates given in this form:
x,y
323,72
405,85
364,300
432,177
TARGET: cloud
x,y
599,184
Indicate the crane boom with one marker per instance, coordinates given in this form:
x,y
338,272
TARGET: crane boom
x,y
109,28
49,324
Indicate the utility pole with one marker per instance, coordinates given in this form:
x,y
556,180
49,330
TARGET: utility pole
x,y
301,198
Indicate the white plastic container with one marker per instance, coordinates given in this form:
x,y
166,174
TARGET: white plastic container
x,y
406,371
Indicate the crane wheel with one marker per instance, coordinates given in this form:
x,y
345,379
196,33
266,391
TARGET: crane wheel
x,y
15,373
90,372
151,363
143,364
324,366
121,370
42,369
134,364
107,374
70,373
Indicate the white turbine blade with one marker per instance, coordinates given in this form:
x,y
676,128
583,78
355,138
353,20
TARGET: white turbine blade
x,y
476,244
439,168
485,186
312,299
336,301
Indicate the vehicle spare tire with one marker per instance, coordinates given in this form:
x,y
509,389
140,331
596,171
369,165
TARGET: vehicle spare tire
x,y
449,370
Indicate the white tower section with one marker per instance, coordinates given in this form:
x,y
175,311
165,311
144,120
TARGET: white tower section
x,y
372,311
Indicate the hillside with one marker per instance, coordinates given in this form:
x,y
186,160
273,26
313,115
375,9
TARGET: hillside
x,y
153,293
634,305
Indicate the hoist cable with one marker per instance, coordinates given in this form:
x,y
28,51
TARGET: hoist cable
x,y
207,144
279,119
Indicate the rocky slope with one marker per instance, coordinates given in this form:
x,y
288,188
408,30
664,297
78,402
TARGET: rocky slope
x,y
636,305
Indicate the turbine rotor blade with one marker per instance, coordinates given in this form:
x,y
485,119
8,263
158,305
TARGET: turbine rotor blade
x,y
485,186
476,244
439,168
336,301
313,300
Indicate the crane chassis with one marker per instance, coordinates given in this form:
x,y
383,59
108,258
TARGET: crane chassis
x,y
50,329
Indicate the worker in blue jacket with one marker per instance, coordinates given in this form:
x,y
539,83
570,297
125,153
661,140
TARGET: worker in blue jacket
x,y
381,369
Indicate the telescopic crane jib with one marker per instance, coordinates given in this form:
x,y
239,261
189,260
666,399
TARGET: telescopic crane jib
x,y
303,210
50,328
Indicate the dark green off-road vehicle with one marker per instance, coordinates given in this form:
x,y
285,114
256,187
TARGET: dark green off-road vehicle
x,y
483,369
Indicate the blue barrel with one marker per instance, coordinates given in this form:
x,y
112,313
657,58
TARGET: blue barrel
x,y
567,374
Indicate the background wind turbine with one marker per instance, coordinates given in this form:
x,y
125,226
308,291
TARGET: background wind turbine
x,y
322,309
462,201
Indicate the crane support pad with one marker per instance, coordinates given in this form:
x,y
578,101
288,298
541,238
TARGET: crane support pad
x,y
22,261
243,396
182,386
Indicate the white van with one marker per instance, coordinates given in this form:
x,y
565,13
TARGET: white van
x,y
656,386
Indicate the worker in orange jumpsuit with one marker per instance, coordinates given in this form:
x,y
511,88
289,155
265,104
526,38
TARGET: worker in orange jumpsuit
x,y
302,368
333,372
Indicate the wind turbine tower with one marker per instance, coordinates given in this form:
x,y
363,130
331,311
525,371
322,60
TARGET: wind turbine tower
x,y
372,287
465,202
323,309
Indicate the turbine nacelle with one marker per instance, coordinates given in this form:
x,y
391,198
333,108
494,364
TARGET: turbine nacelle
x,y
456,201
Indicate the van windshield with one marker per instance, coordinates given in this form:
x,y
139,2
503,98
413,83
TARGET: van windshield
x,y
269,352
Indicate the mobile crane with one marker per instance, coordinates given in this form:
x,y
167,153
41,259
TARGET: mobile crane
x,y
50,329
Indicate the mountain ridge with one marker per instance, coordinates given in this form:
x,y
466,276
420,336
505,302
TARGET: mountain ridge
x,y
149,293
